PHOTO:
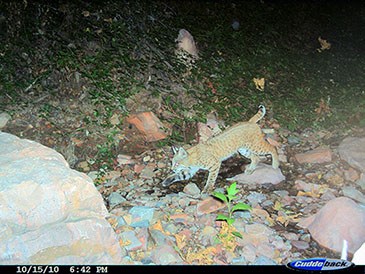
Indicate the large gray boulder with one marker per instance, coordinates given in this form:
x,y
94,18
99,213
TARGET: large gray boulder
x,y
49,213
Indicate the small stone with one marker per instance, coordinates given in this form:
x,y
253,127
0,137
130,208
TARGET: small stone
x,y
256,198
249,252
361,181
354,194
130,240
84,166
266,250
263,260
181,218
146,158
306,237
114,120
123,159
165,255
141,216
115,199
351,175
293,140
149,125
192,190
291,236
148,172
4,118
352,150
316,156
209,205
301,245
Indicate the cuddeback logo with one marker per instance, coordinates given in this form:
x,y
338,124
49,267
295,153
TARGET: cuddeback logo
x,y
320,264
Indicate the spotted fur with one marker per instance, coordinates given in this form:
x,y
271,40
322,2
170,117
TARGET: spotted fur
x,y
246,138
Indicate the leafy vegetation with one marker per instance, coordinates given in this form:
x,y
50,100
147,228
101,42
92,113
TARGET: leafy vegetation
x,y
108,55
228,199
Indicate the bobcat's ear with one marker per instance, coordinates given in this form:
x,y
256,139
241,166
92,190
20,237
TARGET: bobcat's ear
x,y
179,151
175,149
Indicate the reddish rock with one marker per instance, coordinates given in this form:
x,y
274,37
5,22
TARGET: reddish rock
x,y
149,125
138,168
315,156
209,205
181,218
340,219
351,175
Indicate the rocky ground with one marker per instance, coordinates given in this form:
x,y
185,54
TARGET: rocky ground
x,y
177,225
74,95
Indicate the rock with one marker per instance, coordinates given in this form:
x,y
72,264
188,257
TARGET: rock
x,y
192,190
266,250
249,252
255,198
209,205
235,25
141,216
185,41
340,219
123,159
149,125
315,156
353,193
263,174
4,118
301,245
352,150
263,260
359,256
148,172
115,198
50,214
130,241
165,255
361,181
351,175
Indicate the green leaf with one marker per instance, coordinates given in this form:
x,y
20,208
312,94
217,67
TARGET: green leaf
x,y
221,217
231,190
240,206
220,196
231,197
237,234
230,221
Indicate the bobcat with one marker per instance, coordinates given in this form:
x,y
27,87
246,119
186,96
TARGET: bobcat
x,y
245,138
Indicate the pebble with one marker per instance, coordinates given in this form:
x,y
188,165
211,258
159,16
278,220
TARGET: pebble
x,y
256,198
353,193
141,216
192,190
115,199
263,260
301,245
130,241
165,255
4,118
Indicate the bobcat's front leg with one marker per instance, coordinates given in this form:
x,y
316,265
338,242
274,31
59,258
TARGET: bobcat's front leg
x,y
212,177
254,161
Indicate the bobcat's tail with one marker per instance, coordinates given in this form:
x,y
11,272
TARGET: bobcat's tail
x,y
259,115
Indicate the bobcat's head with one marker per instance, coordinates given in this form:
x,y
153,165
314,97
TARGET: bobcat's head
x,y
180,155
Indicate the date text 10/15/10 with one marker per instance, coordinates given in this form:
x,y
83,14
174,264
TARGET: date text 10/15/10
x,y
53,269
